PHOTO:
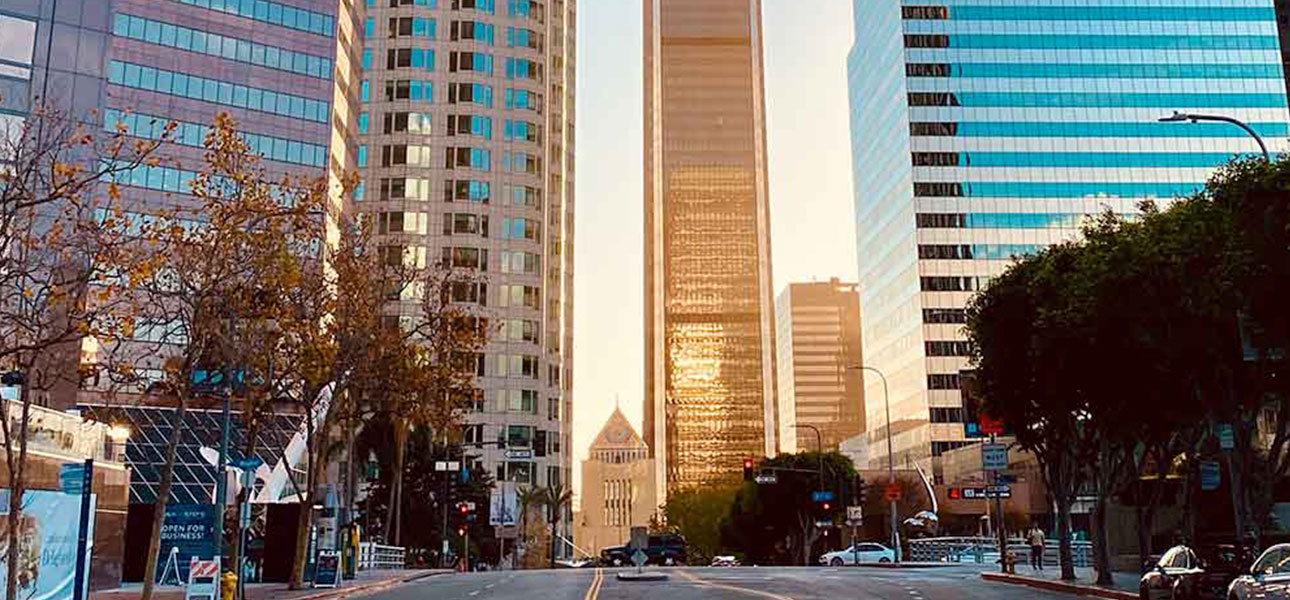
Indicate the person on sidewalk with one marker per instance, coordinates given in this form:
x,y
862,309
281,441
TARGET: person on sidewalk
x,y
1036,540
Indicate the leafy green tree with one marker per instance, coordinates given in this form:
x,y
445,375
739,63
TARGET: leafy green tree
x,y
697,514
777,522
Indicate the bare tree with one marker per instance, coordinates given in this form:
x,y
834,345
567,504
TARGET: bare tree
x,y
62,256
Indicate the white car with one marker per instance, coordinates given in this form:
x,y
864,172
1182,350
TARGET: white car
x,y
1268,578
862,552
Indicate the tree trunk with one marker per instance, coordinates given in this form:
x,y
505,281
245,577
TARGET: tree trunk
x,y
394,521
297,580
1106,475
17,487
1102,542
163,497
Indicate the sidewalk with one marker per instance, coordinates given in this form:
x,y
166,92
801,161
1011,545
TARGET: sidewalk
x,y
1124,588
367,582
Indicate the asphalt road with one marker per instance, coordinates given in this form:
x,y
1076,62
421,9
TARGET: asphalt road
x,y
743,583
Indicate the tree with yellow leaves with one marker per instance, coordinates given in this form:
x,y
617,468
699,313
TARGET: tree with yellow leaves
x,y
61,256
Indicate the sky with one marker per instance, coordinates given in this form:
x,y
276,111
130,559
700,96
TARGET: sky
x,y
812,232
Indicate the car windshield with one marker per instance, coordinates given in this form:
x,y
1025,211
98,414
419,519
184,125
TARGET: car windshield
x,y
1273,561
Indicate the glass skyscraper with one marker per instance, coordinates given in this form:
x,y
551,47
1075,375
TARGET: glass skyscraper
x,y
466,153
710,337
986,129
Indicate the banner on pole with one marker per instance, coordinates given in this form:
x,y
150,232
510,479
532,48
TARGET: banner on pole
x,y
48,528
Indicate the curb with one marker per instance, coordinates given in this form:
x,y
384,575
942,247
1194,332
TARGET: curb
x,y
1060,586
902,565
369,588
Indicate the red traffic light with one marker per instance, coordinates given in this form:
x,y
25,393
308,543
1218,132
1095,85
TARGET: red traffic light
x,y
956,493
826,506
748,463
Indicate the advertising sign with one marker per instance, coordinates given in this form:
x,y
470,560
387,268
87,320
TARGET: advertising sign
x,y
327,571
503,505
191,529
47,558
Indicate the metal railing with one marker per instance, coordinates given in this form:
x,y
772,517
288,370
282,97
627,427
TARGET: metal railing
x,y
380,556
982,550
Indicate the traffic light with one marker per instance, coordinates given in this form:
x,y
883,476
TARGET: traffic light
x,y
461,531
862,491
748,469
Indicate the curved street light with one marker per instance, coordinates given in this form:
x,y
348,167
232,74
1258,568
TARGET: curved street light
x,y
891,468
1179,117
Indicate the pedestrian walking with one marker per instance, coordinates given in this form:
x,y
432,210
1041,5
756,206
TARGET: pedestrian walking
x,y
1036,540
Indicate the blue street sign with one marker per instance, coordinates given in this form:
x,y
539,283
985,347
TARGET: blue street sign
x,y
821,496
71,478
1211,476
249,463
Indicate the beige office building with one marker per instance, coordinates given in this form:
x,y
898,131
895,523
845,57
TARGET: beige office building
x,y
819,341
710,349
466,153
617,487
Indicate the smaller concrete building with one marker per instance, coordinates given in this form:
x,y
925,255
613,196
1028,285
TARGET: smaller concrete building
x,y
618,487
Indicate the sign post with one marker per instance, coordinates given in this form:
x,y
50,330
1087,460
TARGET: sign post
x,y
82,530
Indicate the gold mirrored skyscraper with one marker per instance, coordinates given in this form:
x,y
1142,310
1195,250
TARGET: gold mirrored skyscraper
x,y
710,349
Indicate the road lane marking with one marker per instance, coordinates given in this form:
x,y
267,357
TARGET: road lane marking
x,y
474,593
594,590
489,586
721,586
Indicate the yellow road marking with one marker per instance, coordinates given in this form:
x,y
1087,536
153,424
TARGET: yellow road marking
x,y
594,591
732,588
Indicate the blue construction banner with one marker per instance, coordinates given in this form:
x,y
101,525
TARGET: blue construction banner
x,y
48,527
188,531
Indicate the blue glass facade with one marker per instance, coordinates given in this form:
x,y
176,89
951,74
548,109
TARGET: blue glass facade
x,y
984,129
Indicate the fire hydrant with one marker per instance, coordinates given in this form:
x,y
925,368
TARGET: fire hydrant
x,y
228,585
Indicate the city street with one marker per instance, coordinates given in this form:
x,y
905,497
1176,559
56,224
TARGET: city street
x,y
744,583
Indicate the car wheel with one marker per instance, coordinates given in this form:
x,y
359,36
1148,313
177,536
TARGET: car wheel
x,y
884,560
836,562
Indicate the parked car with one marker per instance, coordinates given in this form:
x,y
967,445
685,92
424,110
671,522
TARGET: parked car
x,y
724,561
1269,578
1183,573
666,550
861,552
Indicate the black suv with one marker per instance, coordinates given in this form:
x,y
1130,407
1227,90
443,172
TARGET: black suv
x,y
667,550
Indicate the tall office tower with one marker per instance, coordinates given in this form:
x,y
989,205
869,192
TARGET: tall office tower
x,y
984,129
818,332
467,157
710,339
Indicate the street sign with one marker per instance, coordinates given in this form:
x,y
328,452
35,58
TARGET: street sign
x,y
639,558
823,523
994,457
767,479
249,463
71,478
821,496
1211,476
855,513
892,493
980,493
519,454
1226,437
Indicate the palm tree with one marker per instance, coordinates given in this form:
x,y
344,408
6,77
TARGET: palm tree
x,y
528,498
555,497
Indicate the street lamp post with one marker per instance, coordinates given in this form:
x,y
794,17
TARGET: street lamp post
x,y
1179,117
891,468
819,447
